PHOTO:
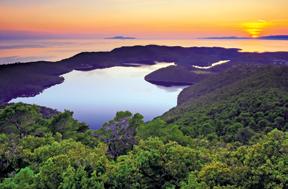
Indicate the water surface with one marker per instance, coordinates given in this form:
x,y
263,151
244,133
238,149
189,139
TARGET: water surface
x,y
95,96
12,51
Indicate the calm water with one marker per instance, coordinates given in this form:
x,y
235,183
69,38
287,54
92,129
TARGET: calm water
x,y
32,50
95,96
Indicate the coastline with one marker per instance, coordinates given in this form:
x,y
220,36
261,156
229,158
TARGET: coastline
x,y
30,79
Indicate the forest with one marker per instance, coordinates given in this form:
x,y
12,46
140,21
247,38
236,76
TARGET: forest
x,y
227,131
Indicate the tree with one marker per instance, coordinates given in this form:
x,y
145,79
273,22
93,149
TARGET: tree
x,y
244,135
153,164
65,124
159,128
193,183
119,133
20,119
216,173
24,179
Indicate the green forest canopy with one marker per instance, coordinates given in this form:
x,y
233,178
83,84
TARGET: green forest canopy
x,y
233,135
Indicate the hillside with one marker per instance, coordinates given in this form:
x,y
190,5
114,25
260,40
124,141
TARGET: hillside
x,y
253,98
228,131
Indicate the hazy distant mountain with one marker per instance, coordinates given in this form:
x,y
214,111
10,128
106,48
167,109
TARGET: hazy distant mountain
x,y
226,37
268,37
275,37
120,37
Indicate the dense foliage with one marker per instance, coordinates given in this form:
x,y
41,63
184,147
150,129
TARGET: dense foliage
x,y
237,105
219,140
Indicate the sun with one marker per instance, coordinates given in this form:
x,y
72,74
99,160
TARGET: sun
x,y
255,28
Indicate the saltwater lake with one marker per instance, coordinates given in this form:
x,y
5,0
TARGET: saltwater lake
x,y
95,96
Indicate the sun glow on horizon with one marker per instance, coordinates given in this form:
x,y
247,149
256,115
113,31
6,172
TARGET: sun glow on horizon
x,y
254,29
145,18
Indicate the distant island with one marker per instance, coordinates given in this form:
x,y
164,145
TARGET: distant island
x,y
267,37
226,37
120,37
275,37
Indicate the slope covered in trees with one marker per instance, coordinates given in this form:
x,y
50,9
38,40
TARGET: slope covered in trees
x,y
228,131
244,100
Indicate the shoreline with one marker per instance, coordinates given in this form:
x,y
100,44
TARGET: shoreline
x,y
30,79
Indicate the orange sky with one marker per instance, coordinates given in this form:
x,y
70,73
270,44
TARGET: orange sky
x,y
147,18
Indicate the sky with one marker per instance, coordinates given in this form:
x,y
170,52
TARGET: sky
x,y
144,18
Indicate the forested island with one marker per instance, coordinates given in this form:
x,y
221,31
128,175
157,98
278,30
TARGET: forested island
x,y
229,130
29,79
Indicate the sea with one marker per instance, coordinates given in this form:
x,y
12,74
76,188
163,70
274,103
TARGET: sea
x,y
95,96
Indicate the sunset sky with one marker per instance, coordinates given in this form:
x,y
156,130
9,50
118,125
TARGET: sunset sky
x,y
145,18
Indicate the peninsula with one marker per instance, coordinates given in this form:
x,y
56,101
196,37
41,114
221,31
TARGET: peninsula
x,y
29,79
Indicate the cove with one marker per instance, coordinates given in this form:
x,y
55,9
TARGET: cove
x,y
95,96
